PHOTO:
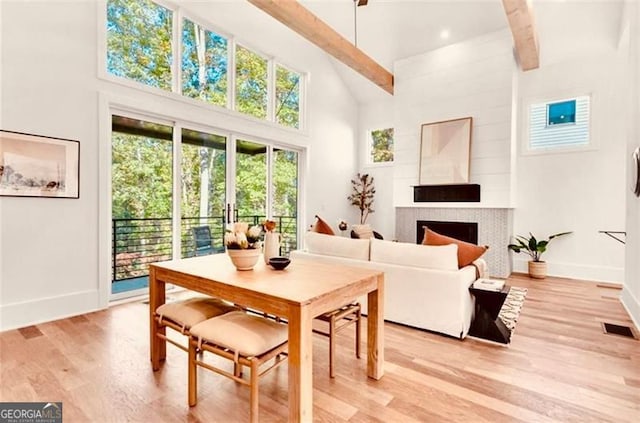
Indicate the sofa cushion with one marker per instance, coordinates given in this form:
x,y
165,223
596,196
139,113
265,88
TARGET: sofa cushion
x,y
467,252
443,257
337,246
321,227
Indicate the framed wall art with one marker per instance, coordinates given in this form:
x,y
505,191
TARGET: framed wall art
x,y
445,149
38,166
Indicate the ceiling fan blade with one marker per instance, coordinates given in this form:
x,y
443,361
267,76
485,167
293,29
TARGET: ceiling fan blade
x,y
362,2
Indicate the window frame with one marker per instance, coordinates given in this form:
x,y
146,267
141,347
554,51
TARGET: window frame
x,y
525,143
301,81
180,13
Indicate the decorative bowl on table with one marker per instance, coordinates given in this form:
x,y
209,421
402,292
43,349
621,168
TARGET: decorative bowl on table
x,y
279,263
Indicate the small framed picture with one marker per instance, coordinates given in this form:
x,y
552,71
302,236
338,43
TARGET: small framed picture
x,y
38,166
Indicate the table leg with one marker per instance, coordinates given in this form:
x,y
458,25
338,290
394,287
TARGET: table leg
x,y
300,365
157,346
375,331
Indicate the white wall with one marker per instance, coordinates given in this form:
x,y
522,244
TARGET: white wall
x,y
631,289
378,115
51,252
583,191
471,78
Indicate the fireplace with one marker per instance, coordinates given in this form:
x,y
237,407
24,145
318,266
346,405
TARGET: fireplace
x,y
492,227
464,231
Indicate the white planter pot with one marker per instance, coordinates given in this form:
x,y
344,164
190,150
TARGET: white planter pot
x,y
244,259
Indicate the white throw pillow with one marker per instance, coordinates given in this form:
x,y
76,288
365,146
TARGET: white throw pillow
x,y
333,245
441,257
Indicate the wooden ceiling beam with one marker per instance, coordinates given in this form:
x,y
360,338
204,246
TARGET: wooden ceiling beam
x,y
520,17
301,20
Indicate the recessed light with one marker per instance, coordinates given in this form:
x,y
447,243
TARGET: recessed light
x,y
444,34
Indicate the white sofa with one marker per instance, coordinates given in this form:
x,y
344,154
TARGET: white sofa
x,y
423,286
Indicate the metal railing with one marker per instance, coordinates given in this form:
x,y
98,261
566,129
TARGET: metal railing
x,y
138,242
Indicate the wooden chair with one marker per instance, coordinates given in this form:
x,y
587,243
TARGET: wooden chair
x,y
184,314
338,320
247,340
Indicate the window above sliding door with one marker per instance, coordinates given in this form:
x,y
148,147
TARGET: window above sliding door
x,y
162,47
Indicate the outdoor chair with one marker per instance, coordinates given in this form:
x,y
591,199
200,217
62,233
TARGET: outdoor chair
x,y
202,240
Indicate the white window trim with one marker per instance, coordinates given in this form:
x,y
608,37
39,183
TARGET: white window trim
x,y
176,70
109,104
592,145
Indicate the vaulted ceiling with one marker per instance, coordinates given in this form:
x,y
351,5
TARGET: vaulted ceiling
x,y
389,30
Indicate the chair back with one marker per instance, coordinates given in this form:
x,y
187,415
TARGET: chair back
x,y
202,238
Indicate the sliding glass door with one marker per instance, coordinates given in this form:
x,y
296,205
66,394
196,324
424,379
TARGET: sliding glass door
x,y
218,179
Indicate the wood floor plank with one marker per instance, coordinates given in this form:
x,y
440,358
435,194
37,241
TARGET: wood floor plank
x,y
560,366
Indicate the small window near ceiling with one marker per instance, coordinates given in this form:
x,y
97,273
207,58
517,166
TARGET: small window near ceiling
x,y
560,124
204,64
287,97
139,36
381,146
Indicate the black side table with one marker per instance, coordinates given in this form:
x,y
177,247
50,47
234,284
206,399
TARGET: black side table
x,y
486,324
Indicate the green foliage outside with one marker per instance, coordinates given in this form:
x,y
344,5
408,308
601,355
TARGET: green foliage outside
x,y
251,83
382,145
204,64
139,35
141,177
139,38
139,48
287,97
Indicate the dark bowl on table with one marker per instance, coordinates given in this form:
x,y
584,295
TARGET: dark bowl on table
x,y
279,263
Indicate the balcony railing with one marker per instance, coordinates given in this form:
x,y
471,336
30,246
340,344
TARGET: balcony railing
x,y
136,243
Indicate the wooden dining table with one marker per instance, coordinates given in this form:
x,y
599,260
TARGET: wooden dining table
x,y
299,293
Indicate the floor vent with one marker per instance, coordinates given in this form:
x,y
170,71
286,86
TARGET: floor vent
x,y
611,329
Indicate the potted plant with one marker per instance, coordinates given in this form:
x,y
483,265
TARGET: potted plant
x,y
535,248
243,245
362,196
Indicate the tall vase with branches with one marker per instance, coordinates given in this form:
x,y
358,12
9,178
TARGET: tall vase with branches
x,y
362,195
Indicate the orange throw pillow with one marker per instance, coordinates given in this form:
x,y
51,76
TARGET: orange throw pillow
x,y
467,252
321,227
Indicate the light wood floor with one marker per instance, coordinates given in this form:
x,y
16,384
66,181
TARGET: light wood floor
x,y
559,367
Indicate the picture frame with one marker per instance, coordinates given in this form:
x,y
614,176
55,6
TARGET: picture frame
x,y
445,151
38,166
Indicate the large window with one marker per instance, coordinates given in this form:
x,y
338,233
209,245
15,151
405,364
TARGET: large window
x,y
140,39
559,124
139,42
381,146
251,83
287,97
204,64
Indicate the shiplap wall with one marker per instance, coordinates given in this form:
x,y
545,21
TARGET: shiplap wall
x,y
473,78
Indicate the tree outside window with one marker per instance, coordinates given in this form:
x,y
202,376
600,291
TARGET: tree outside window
x,y
204,64
287,97
139,42
251,83
381,146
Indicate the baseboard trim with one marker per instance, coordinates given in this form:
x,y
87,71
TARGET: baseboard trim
x,y
585,272
632,305
33,312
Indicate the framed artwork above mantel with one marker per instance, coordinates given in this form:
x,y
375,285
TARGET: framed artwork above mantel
x,y
38,166
445,150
